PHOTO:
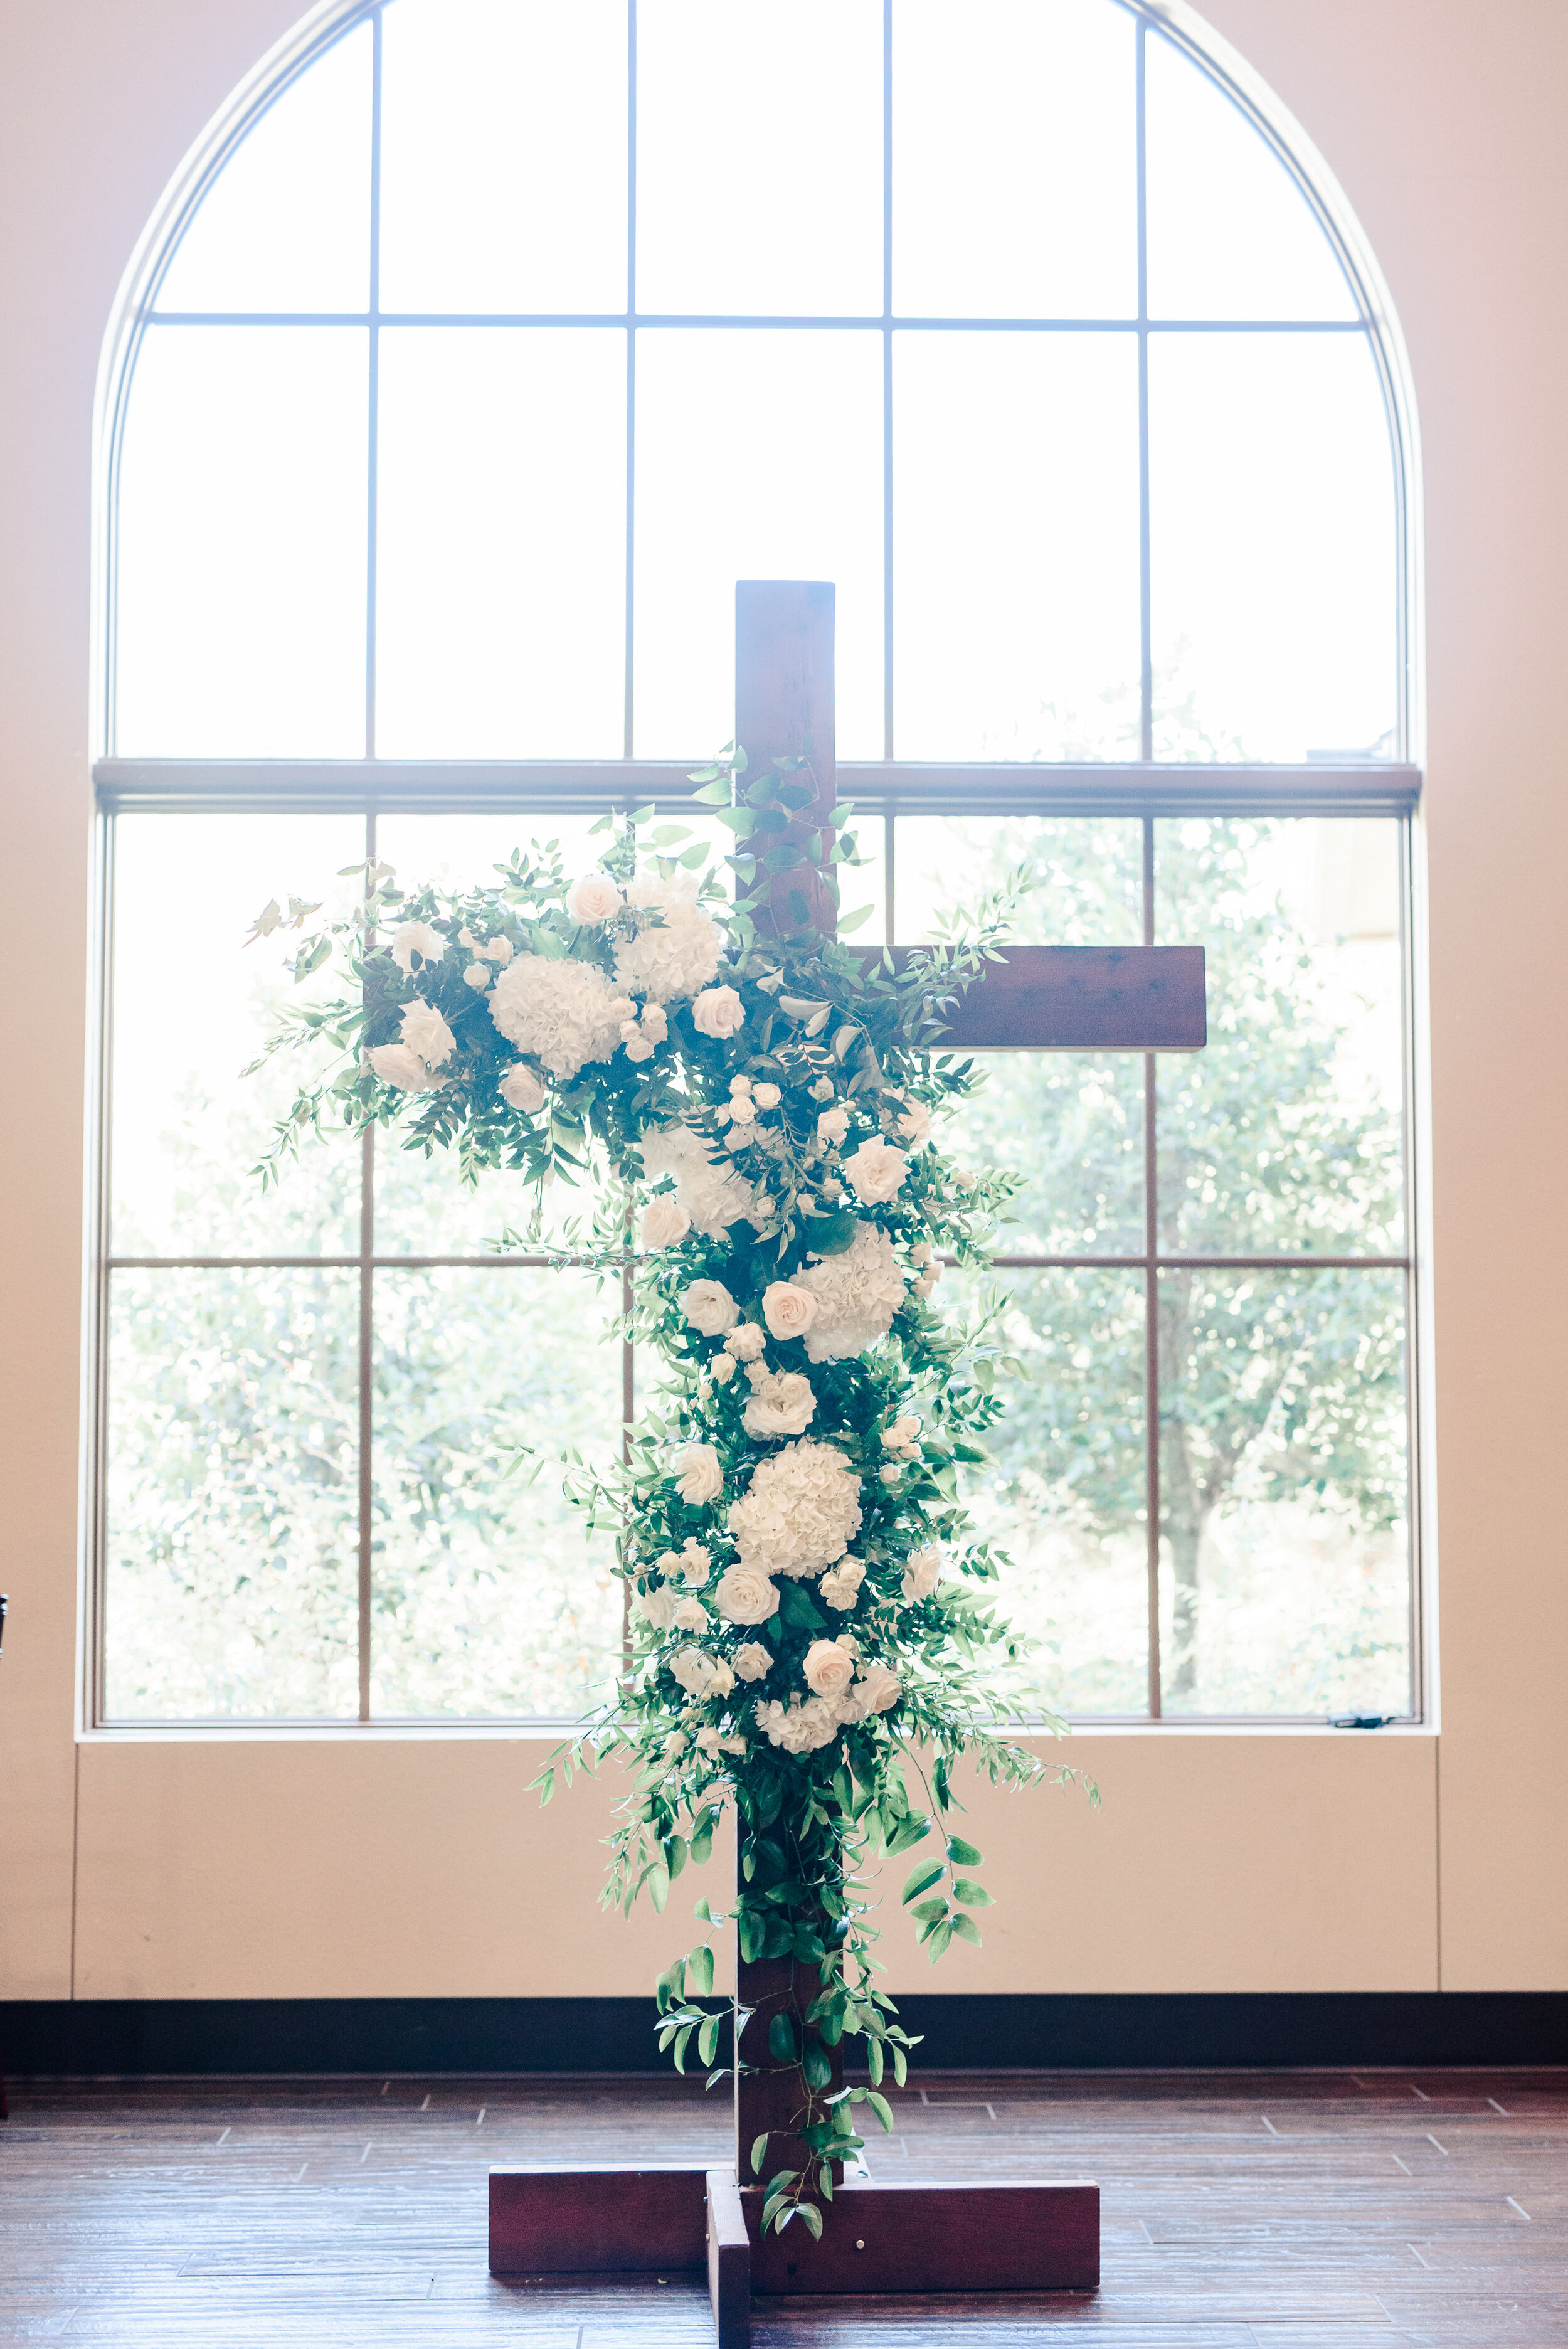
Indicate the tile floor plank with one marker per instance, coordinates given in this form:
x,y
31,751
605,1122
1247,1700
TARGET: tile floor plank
x,y
1246,2211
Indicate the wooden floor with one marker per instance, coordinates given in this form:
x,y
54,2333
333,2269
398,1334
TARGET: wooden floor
x,y
1299,2210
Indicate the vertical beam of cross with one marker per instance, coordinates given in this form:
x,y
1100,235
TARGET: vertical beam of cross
x,y
784,709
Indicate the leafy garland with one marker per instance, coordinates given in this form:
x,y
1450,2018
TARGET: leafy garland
x,y
810,1629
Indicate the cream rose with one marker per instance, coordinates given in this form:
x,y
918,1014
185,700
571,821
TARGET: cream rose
x,y
879,1688
744,1594
723,1370
411,938
788,1312
841,1585
876,1171
833,1126
717,1011
690,1615
828,1670
746,1343
699,1479
664,1221
921,1573
523,1089
701,1674
709,1307
753,1662
593,899
657,1605
425,1032
400,1065
781,1404
766,1096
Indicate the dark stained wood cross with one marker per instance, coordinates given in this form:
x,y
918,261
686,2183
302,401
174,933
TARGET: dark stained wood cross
x,y
1038,2235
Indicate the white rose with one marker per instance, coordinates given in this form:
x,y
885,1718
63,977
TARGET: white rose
x,y
781,1404
753,1662
664,1221
891,1474
766,1096
690,1615
700,1674
478,975
594,898
709,1307
498,950
699,1478
744,1594
399,1065
694,1562
732,1745
741,1112
841,1585
657,1605
723,1370
411,938
655,1022
708,1740
879,1688
921,1573
719,1011
833,1126
876,1171
746,1343
635,1050
789,1312
828,1670
425,1032
523,1089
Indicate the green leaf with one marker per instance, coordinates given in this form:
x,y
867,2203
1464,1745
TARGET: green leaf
x,y
962,1854
852,921
882,2109
925,1873
658,1887
939,1941
682,2040
811,2217
782,2042
708,2036
758,2148
832,1235
699,1972
966,1928
817,2066
874,2060
973,1895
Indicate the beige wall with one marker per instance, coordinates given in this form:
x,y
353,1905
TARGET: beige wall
x,y
1248,1860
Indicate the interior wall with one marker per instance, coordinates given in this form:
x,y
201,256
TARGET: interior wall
x,y
1261,1860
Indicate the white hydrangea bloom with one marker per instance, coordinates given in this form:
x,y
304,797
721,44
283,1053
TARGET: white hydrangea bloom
x,y
564,1013
857,1294
712,1196
800,1511
677,956
799,1728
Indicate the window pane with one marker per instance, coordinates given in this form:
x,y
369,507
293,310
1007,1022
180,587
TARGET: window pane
x,y
1088,875
191,1010
233,1560
1273,543
758,457
1231,236
1015,554
488,1595
286,223
240,621
1283,1484
1065,1498
1285,1133
760,157
1015,160
504,156
501,540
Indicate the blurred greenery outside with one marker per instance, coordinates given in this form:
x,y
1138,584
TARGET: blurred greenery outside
x,y
232,1492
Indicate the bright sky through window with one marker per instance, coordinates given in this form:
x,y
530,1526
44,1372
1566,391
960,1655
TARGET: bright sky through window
x,y
950,426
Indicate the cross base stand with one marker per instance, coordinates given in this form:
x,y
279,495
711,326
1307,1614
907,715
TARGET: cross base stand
x,y
978,2237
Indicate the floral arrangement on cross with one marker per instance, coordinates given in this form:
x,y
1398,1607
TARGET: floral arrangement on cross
x,y
808,1629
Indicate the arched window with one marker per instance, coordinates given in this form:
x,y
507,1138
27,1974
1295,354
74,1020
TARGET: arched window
x,y
477,351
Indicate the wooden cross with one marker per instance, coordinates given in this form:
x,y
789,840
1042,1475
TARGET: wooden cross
x,y
1035,2236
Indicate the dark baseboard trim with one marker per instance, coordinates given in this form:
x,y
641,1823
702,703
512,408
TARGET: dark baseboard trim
x,y
87,2038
